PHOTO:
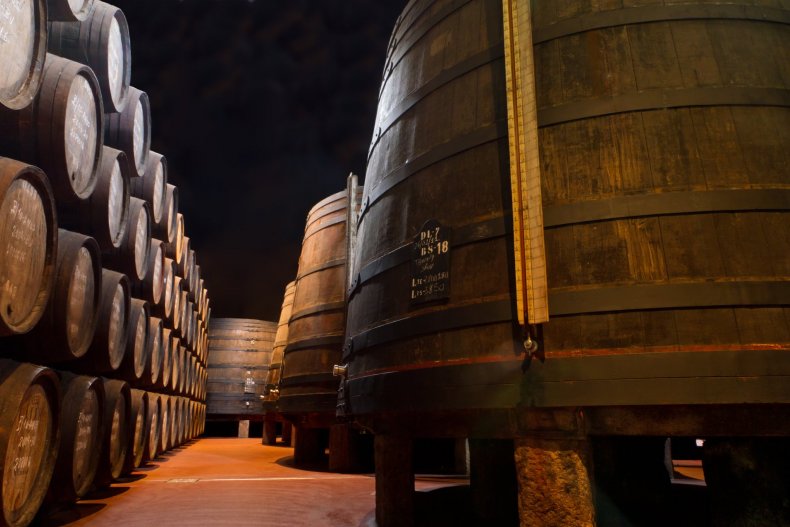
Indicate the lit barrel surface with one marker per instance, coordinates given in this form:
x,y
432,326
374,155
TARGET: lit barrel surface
x,y
664,188
22,51
240,351
280,341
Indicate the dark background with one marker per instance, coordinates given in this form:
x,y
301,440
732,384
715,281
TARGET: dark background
x,y
261,108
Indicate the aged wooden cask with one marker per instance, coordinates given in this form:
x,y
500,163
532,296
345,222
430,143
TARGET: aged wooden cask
x,y
167,228
61,131
24,47
115,440
29,415
28,231
151,288
647,216
174,248
137,431
152,186
153,426
133,254
164,308
240,351
130,131
182,264
175,315
157,346
81,428
67,328
166,414
106,214
69,10
101,41
109,346
315,329
135,361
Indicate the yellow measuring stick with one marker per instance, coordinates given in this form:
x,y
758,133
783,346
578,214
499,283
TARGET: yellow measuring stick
x,y
531,286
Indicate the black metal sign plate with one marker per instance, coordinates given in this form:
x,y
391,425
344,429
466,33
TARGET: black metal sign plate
x,y
430,264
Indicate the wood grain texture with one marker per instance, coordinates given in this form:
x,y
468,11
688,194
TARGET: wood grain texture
x,y
23,47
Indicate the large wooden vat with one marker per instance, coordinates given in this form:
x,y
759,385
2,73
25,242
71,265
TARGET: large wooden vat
x,y
271,390
315,328
240,351
29,436
665,203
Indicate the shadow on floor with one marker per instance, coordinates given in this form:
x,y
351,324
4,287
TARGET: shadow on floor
x,y
68,515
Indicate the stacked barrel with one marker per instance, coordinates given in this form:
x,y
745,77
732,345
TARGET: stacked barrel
x,y
103,312
303,386
660,138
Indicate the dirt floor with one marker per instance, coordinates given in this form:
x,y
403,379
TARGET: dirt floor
x,y
233,482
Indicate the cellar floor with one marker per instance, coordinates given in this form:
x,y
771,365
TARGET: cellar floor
x,y
233,482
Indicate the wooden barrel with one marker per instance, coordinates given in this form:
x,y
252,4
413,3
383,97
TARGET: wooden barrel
x,y
29,435
133,255
174,248
153,426
61,131
167,359
166,419
108,349
315,329
182,264
157,346
167,228
130,131
164,308
81,428
175,315
137,431
69,10
28,232
105,216
136,359
24,27
101,41
272,388
661,171
67,328
151,288
115,440
239,358
152,187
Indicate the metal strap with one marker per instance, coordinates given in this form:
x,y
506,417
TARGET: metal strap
x,y
313,378
644,14
324,266
321,308
314,228
663,98
318,342
433,322
666,203
481,136
637,297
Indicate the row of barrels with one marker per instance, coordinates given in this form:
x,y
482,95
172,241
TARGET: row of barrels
x,y
64,434
99,279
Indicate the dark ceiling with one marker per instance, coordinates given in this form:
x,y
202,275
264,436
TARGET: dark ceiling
x,y
262,108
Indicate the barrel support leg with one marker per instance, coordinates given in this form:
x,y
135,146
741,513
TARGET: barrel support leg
x,y
748,480
269,431
394,481
493,481
348,449
308,448
554,482
287,428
